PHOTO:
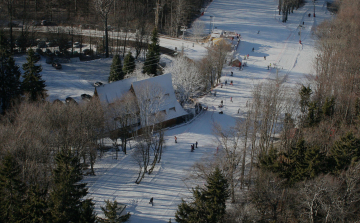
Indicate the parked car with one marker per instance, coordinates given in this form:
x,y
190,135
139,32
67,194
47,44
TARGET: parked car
x,y
41,44
86,97
49,60
56,65
37,56
87,52
97,84
77,45
70,100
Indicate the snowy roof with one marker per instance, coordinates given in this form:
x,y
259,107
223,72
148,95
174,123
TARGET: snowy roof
x,y
216,33
148,89
163,84
110,92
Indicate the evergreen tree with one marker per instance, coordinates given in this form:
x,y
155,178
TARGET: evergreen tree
x,y
305,93
9,76
217,193
116,71
328,107
208,204
36,206
32,83
12,191
314,114
345,152
152,55
129,63
111,216
87,213
66,197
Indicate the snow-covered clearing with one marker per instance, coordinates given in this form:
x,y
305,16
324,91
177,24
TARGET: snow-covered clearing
x,y
260,28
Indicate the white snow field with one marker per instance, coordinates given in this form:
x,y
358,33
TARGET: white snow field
x,y
260,28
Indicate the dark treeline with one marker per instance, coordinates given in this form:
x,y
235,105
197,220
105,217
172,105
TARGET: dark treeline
x,y
128,14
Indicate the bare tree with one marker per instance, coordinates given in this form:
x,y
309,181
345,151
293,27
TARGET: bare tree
x,y
103,7
122,116
231,155
217,55
198,30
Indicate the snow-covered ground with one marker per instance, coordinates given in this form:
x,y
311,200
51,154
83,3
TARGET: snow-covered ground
x,y
260,27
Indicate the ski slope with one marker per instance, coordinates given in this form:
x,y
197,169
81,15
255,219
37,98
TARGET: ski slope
x,y
260,27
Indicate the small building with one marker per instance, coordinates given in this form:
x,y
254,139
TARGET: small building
x,y
216,33
154,96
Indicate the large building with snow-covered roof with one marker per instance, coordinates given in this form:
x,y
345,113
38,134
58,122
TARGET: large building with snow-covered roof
x,y
153,95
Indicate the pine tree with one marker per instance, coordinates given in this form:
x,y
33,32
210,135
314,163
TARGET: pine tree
x,y
32,83
12,191
36,206
208,204
111,216
216,195
116,71
305,93
345,152
9,76
66,197
328,107
153,55
129,63
87,213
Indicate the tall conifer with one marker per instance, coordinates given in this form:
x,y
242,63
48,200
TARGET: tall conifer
x,y
152,55
208,203
116,70
66,197
33,83
12,191
9,76
129,63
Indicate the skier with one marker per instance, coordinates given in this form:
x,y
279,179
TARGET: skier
x,y
231,99
232,73
192,148
175,139
221,101
151,201
253,49
264,57
196,144
248,56
268,67
258,31
225,83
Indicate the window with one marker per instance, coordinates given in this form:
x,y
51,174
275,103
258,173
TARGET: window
x,y
167,94
172,109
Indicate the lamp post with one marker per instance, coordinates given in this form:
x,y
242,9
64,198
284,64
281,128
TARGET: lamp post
x,y
210,24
